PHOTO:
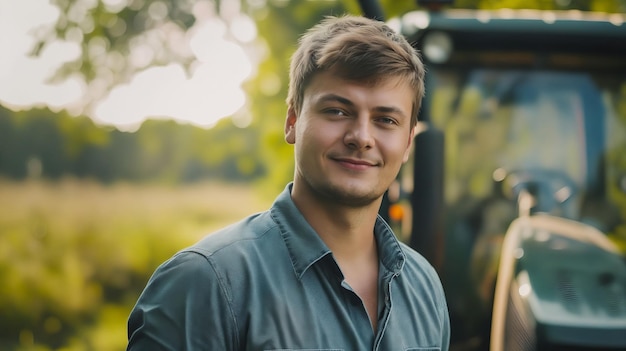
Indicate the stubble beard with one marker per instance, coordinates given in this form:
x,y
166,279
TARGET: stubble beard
x,y
342,195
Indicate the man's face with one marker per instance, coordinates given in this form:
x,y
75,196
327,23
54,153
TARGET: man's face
x,y
350,137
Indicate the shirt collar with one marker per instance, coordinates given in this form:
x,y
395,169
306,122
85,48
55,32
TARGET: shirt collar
x,y
306,247
390,252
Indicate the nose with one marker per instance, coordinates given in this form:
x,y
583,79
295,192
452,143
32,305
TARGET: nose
x,y
359,135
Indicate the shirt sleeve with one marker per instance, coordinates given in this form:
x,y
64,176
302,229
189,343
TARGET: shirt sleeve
x,y
184,306
445,329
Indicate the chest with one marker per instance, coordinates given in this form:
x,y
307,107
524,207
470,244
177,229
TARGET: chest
x,y
322,312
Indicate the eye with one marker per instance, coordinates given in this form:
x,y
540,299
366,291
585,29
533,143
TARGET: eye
x,y
335,112
387,120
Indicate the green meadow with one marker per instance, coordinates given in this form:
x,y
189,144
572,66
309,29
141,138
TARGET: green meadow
x,y
75,254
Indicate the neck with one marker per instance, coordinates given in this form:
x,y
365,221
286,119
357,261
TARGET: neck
x,y
348,231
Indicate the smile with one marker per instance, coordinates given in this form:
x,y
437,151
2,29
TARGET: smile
x,y
355,164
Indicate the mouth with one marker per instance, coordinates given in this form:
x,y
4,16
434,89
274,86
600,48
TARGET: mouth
x,y
355,163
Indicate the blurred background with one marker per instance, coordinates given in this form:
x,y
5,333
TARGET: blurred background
x,y
129,129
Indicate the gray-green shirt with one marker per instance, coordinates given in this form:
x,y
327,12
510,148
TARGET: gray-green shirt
x,y
270,283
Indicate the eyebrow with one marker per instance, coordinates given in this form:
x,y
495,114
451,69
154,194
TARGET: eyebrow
x,y
343,100
336,98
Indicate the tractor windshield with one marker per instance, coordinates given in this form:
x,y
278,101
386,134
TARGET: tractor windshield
x,y
566,128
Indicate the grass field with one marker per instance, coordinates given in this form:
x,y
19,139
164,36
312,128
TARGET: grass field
x,y
74,255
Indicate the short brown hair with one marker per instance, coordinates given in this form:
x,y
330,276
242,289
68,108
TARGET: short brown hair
x,y
360,49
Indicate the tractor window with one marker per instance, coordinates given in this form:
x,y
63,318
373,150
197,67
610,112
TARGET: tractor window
x,y
569,124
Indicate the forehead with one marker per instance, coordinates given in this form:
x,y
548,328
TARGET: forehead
x,y
395,89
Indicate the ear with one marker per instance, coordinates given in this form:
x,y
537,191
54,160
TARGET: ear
x,y
407,152
290,126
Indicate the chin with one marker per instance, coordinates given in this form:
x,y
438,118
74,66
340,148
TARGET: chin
x,y
353,196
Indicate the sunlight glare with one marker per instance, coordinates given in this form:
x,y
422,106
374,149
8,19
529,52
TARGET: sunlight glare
x,y
115,6
203,10
208,91
141,55
203,38
165,92
212,92
23,78
243,29
157,10
28,77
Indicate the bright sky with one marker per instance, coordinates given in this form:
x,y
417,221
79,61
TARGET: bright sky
x,y
212,90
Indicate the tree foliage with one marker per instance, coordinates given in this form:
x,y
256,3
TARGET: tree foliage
x,y
40,143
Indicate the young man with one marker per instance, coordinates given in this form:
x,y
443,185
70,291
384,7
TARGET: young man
x,y
320,270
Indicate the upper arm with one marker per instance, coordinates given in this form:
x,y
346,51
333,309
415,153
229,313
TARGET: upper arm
x,y
445,329
185,306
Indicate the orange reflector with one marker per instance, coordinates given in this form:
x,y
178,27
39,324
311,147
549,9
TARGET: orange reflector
x,y
396,212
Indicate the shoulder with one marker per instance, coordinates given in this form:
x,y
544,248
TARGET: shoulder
x,y
421,271
239,247
246,232
218,260
171,312
415,258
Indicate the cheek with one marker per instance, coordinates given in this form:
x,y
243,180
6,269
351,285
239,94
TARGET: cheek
x,y
308,143
398,153
319,136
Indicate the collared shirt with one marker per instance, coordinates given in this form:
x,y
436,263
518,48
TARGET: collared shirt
x,y
270,283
